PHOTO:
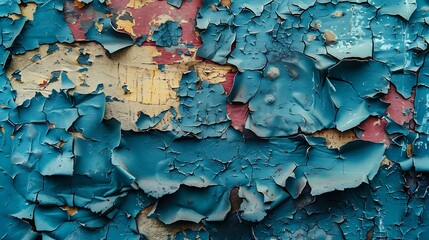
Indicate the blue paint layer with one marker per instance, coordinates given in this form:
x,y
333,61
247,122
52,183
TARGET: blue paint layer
x,y
167,34
202,107
175,3
48,26
304,66
111,40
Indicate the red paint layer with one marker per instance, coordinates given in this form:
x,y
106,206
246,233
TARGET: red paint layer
x,y
374,130
401,110
238,114
143,16
229,82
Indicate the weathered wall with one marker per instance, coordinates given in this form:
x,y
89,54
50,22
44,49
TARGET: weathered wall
x,y
213,119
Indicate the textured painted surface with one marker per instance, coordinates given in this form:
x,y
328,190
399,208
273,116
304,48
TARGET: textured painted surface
x,y
214,119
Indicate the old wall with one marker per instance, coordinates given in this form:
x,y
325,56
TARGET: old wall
x,y
213,119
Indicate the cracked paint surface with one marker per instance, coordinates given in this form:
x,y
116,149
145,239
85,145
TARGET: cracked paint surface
x,y
214,119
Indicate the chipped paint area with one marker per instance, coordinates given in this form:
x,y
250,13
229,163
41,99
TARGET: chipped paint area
x,y
149,89
206,119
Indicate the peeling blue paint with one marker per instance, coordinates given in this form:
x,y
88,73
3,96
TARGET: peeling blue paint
x,y
145,122
167,34
284,103
141,39
303,66
175,3
218,174
52,48
202,107
83,58
216,51
48,26
9,7
111,40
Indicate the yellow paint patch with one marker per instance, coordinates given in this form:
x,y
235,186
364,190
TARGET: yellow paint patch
x,y
225,3
27,11
139,3
148,86
161,19
386,162
125,25
409,150
213,73
79,4
99,26
14,16
70,210
151,90
335,138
